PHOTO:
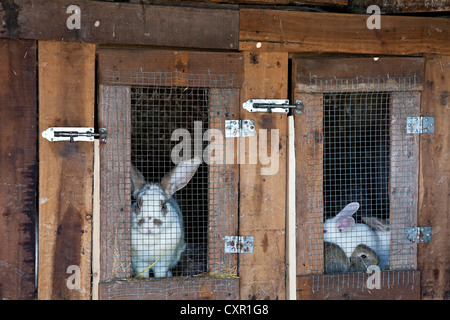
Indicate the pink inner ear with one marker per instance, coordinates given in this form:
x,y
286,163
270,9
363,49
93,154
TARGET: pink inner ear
x,y
345,223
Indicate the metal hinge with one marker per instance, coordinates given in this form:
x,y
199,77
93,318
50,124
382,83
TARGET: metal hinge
x,y
238,244
418,234
239,128
420,125
73,134
273,105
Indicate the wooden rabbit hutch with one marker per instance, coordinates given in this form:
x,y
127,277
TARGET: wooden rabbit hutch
x,y
368,122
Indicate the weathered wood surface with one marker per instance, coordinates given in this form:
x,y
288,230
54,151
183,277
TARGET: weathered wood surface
x,y
66,98
291,31
166,289
394,285
115,182
401,6
263,197
331,74
434,181
18,168
121,23
153,63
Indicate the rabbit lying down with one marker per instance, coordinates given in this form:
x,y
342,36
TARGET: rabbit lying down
x,y
157,236
342,231
336,261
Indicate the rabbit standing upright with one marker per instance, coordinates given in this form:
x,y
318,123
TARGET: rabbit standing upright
x,y
343,231
382,229
157,236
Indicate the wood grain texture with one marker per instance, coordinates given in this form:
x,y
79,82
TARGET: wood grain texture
x,y
121,62
123,23
166,289
434,181
18,168
66,98
263,197
290,31
394,285
401,6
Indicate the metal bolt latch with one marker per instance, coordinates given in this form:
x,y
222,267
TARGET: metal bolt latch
x,y
273,105
73,134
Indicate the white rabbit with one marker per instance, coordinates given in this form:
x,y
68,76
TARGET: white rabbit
x,y
157,235
383,231
343,231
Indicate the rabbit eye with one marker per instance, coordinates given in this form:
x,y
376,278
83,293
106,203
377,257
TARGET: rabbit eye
x,y
163,207
141,222
157,222
363,256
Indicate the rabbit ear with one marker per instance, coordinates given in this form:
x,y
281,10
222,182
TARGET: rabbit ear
x,y
179,176
376,223
137,179
345,223
349,210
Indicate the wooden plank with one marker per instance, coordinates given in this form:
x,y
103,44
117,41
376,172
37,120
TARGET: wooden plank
x,y
66,98
291,254
262,203
279,2
223,180
123,23
434,181
152,63
294,31
18,169
402,6
167,289
404,179
115,182
332,74
394,285
96,223
309,187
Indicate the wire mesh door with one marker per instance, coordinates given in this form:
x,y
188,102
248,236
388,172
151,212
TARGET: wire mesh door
x,y
168,198
361,173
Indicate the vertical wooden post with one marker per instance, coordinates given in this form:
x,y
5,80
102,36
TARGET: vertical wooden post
x,y
66,98
18,168
291,252
263,197
434,180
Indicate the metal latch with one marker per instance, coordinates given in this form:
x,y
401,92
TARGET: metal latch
x,y
239,128
273,105
238,244
73,134
418,234
420,125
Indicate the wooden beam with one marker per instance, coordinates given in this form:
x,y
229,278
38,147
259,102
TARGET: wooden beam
x,y
402,6
293,31
66,98
394,285
434,181
151,62
18,169
122,23
263,197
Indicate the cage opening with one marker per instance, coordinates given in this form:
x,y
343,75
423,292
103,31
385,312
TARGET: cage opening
x,y
356,157
156,112
356,171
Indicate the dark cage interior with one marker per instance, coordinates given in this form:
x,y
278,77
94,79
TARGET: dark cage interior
x,y
356,153
156,112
